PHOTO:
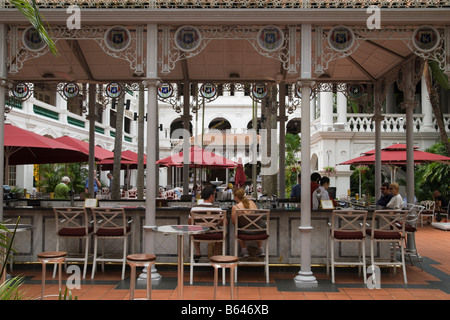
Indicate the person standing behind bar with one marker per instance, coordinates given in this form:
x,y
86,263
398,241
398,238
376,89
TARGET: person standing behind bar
x,y
386,195
315,177
396,201
297,189
97,184
62,189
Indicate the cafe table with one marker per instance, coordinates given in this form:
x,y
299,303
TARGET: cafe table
x,y
180,231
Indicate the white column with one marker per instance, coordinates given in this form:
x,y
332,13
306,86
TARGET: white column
x,y
326,110
152,136
305,277
427,111
341,108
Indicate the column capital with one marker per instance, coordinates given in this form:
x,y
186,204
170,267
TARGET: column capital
x,y
282,118
378,117
409,104
151,82
186,117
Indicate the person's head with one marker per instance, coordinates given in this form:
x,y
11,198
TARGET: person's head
x,y
436,193
315,177
65,179
299,178
208,194
385,188
109,175
394,188
239,196
324,182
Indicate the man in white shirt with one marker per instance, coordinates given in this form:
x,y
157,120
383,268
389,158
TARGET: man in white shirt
x,y
208,196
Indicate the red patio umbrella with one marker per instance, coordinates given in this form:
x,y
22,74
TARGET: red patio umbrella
x,y
198,158
396,155
26,147
129,160
239,177
83,146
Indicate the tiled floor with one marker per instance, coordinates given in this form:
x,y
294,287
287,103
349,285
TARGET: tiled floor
x,y
433,283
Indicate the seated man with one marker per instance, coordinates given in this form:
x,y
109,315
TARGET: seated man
x,y
441,204
386,195
207,194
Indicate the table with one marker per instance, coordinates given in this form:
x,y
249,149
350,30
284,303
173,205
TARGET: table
x,y
180,231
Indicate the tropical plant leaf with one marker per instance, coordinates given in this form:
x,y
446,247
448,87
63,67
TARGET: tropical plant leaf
x,y
9,290
30,10
438,74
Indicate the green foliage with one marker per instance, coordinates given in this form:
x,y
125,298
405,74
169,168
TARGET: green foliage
x,y
293,145
431,176
9,290
51,174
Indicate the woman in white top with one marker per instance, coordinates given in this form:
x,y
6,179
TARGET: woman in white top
x,y
321,193
396,201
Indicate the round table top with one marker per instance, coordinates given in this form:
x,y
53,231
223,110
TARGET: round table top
x,y
181,229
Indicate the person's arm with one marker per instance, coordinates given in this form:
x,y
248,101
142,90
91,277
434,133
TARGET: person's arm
x,y
233,214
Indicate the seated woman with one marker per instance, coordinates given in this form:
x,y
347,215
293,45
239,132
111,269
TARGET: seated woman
x,y
321,193
396,201
244,203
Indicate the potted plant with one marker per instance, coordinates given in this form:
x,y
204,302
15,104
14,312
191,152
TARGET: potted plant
x,y
329,171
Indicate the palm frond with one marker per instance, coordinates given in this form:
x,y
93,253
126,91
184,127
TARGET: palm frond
x,y
9,290
30,10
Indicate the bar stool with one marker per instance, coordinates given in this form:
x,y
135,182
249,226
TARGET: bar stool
x,y
223,262
140,260
51,257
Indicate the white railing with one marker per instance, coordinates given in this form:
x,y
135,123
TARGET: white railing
x,y
391,123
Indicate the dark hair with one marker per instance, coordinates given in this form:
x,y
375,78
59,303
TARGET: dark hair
x,y
385,184
315,176
207,192
324,180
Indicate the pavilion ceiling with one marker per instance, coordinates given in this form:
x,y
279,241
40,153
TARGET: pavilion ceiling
x,y
224,58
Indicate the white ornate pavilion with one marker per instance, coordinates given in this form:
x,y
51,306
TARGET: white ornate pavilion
x,y
348,47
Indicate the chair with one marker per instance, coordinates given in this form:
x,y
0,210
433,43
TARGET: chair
x,y
252,225
110,223
215,220
412,217
140,260
224,262
73,223
56,257
347,226
388,226
428,211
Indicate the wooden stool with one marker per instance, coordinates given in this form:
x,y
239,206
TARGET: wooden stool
x,y
224,262
141,260
52,257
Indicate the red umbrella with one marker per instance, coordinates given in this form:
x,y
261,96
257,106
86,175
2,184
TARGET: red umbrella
x,y
239,177
198,157
26,147
129,160
83,146
396,155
